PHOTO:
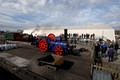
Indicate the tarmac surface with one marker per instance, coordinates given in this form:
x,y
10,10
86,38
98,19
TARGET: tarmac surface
x,y
5,75
75,67
116,61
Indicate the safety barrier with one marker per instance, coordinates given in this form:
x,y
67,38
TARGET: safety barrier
x,y
115,71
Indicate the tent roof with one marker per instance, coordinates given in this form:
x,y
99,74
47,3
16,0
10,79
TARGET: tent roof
x,y
73,27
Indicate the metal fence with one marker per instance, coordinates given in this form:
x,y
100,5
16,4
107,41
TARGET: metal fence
x,y
80,41
114,70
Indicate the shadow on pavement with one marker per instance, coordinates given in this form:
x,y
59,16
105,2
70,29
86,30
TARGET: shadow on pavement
x,y
66,65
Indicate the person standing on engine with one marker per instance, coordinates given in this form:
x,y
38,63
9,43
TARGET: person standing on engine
x,y
82,36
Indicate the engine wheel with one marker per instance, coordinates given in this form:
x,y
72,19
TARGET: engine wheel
x,y
43,45
58,50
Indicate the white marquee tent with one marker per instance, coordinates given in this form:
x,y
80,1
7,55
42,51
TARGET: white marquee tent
x,y
99,30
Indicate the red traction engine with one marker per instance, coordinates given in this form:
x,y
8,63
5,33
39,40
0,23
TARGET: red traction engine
x,y
54,44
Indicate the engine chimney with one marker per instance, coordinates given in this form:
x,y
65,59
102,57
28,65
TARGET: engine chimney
x,y
65,34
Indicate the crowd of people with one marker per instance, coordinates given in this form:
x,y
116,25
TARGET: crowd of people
x,y
103,50
83,36
87,36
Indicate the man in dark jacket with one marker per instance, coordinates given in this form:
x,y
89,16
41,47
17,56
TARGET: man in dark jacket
x,y
110,54
97,49
104,49
116,47
111,45
97,58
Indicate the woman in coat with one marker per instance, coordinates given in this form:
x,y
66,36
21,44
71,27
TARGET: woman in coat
x,y
111,54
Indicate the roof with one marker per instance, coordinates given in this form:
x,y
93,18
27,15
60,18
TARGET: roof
x,y
73,27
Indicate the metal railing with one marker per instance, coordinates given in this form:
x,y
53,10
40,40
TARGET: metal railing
x,y
114,70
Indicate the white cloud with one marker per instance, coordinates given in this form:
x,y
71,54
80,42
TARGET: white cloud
x,y
26,2
10,20
59,12
115,8
103,2
113,13
99,1
51,1
116,24
111,16
42,2
5,17
25,6
16,7
33,2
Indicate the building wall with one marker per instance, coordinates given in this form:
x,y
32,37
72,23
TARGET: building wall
x,y
117,32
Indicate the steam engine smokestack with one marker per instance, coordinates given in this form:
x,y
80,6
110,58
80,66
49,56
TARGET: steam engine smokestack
x,y
65,34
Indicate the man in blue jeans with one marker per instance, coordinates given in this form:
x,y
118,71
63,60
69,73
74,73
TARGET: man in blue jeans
x,y
104,49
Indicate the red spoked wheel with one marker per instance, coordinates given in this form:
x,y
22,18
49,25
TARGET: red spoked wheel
x,y
52,37
58,50
43,45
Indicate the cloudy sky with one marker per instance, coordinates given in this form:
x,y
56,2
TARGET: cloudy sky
x,y
23,14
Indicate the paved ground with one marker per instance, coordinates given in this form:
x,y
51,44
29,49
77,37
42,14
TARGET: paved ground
x,y
116,60
73,68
